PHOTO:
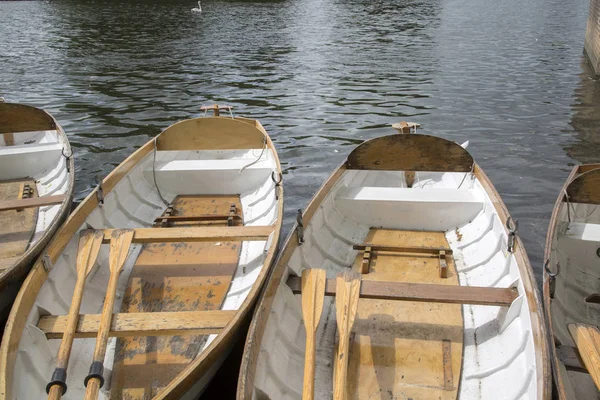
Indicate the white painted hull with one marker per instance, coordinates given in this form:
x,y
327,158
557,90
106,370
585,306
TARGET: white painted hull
x,y
131,200
504,353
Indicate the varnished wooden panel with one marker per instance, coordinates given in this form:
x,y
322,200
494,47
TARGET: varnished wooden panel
x,y
410,153
199,134
585,188
173,277
22,118
16,227
404,349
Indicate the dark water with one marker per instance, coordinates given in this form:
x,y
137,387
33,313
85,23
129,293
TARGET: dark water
x,y
321,75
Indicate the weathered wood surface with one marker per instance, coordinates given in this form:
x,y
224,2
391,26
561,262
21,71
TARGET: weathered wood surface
x,y
89,245
198,134
16,227
176,278
31,202
399,249
141,324
408,348
410,153
22,118
587,340
423,292
120,242
346,304
313,293
198,234
585,188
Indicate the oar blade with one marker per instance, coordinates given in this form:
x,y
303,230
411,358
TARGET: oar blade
x,y
95,242
346,301
313,293
119,248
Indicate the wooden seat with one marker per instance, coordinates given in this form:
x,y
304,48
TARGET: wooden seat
x,y
422,292
587,340
31,202
395,206
141,324
198,234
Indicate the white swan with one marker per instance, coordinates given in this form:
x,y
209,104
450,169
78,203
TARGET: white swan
x,y
199,9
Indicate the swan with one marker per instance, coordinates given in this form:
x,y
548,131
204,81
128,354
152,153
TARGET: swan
x,y
199,9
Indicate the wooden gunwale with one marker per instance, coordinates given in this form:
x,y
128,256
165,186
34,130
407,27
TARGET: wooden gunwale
x,y
28,293
257,327
575,172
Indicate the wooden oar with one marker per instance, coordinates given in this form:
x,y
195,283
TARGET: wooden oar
x,y
313,293
346,303
89,246
119,247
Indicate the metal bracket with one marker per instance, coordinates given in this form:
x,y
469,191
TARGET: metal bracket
x,y
99,191
277,183
300,227
551,277
47,263
67,159
513,227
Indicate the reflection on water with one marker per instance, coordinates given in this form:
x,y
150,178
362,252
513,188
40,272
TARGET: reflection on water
x,y
586,118
321,75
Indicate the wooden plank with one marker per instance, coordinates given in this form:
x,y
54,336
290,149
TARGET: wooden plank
x,y
198,234
174,277
199,134
422,292
195,218
16,227
587,340
585,188
419,153
21,118
31,202
447,359
366,261
403,249
443,265
141,324
398,345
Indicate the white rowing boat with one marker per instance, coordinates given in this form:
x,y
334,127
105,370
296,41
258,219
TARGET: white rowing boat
x,y
36,189
572,285
193,220
441,302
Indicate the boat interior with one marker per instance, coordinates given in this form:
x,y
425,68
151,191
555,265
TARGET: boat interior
x,y
574,286
205,213
443,309
34,178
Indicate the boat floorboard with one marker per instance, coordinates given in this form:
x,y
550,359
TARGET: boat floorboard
x,y
172,277
16,227
400,349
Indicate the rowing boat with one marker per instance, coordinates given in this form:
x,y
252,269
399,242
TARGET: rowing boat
x,y
36,189
174,245
428,294
571,285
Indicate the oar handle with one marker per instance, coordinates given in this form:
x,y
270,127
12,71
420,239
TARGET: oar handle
x,y
308,391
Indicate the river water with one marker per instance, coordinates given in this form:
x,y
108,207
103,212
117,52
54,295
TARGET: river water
x,y
322,76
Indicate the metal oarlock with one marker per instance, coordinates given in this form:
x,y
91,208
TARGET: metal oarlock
x,y
300,227
513,227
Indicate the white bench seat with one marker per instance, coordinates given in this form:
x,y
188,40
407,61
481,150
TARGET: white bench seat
x,y
583,231
28,160
436,209
211,176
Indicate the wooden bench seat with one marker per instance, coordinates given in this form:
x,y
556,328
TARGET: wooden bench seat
x,y
31,202
587,340
432,293
141,324
198,234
